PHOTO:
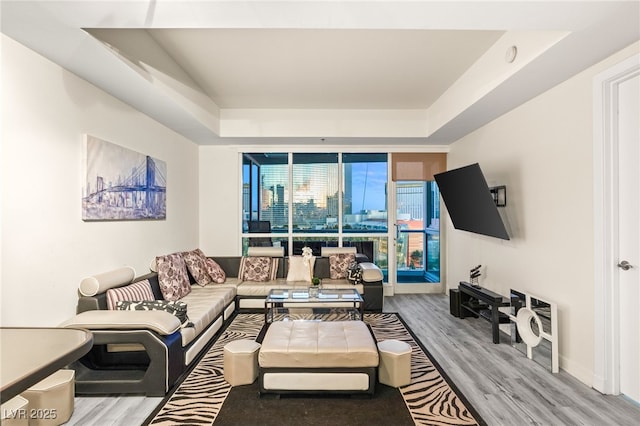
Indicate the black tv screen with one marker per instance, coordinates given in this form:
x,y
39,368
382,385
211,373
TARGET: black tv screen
x,y
469,202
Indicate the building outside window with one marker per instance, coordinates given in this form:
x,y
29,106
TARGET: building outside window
x,y
340,199
315,195
265,190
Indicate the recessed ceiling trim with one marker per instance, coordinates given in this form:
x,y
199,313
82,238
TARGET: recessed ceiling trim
x,y
55,30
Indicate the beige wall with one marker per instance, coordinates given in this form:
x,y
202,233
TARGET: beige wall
x,y
542,152
46,247
220,203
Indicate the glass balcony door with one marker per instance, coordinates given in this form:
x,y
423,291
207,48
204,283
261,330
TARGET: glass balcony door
x,y
417,237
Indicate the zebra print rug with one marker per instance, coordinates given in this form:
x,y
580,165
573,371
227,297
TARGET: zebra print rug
x,y
431,398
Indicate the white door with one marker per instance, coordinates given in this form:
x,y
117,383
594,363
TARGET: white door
x,y
629,235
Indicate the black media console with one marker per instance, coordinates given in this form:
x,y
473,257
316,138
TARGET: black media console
x,y
479,302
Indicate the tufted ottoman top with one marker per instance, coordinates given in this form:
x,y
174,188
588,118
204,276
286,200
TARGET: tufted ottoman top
x,y
311,344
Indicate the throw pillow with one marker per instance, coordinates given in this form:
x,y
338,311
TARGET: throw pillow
x,y
258,268
338,264
298,271
172,276
140,290
196,264
215,271
177,308
354,273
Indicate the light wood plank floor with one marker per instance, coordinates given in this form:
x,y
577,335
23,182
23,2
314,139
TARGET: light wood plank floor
x,y
505,387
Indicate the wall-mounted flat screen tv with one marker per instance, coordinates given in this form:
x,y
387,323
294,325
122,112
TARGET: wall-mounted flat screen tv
x,y
469,202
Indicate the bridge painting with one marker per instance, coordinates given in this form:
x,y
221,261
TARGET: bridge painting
x,y
122,184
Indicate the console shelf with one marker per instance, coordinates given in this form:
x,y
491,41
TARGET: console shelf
x,y
479,302
486,314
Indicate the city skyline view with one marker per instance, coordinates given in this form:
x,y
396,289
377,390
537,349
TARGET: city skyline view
x,y
309,201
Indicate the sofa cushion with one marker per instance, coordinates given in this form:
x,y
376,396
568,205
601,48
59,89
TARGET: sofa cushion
x,y
328,251
172,276
177,308
205,305
137,291
339,263
196,263
258,268
266,251
215,271
299,270
248,288
322,344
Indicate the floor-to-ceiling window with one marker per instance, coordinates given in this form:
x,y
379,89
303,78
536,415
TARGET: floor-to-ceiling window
x,y
364,206
315,194
315,200
265,194
341,199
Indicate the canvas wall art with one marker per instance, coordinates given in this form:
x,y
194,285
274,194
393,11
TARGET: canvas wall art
x,y
122,184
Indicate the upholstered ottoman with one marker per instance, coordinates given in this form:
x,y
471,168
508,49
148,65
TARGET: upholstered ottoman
x,y
395,363
241,362
15,412
318,357
51,399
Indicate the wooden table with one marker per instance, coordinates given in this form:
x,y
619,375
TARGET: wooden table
x,y
28,355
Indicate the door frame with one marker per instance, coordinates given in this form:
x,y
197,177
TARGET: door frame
x,y
606,377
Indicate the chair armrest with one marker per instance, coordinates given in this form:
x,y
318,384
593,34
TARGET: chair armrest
x,y
159,322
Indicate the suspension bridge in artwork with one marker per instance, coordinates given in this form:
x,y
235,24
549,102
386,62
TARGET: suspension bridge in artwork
x,y
140,195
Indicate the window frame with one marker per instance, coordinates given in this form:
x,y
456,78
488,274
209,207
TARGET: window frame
x,y
290,234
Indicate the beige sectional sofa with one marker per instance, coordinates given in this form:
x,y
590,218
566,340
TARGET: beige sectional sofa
x,y
146,351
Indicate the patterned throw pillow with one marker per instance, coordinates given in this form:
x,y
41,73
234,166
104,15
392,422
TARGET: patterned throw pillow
x,y
177,308
338,264
172,276
354,273
215,271
196,264
140,290
258,268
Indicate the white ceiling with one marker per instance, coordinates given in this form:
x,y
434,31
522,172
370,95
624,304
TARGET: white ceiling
x,y
324,68
359,72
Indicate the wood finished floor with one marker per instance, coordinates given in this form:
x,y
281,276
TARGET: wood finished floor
x,y
505,387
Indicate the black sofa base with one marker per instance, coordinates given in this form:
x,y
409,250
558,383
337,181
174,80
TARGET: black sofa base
x,y
101,372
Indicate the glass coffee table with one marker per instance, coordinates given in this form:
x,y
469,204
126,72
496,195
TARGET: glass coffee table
x,y
313,304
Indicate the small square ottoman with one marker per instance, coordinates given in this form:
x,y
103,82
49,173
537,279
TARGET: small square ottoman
x,y
241,362
395,363
51,399
15,412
